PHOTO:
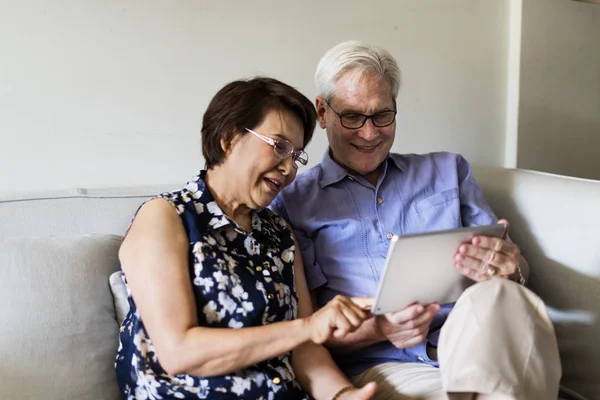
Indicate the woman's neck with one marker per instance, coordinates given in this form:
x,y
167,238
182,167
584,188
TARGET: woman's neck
x,y
223,190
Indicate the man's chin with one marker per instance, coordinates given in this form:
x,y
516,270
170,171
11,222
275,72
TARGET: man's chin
x,y
369,167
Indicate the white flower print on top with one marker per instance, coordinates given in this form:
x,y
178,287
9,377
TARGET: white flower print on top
x,y
288,255
227,302
211,313
251,246
239,279
221,279
205,283
239,386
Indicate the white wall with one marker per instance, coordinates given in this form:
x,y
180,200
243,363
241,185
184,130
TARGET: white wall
x,y
105,93
559,123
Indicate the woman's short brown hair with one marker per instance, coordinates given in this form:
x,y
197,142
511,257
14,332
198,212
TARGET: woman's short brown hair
x,y
244,104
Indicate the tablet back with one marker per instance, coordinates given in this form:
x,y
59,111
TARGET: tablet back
x,y
420,268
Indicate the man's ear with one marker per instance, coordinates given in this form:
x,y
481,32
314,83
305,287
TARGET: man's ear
x,y
321,107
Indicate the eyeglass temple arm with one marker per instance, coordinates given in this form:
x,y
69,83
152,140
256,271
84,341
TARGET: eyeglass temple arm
x,y
263,137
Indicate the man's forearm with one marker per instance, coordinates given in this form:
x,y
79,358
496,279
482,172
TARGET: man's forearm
x,y
366,335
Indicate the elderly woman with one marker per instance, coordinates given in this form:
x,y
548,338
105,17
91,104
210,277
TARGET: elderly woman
x,y
219,303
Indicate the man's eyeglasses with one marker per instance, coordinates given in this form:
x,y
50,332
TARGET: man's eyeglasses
x,y
284,149
352,120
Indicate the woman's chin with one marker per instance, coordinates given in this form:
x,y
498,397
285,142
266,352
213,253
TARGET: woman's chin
x,y
264,201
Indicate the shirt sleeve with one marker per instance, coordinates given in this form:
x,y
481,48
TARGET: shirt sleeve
x,y
474,210
314,273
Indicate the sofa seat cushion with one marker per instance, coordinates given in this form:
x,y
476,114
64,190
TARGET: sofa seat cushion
x,y
59,333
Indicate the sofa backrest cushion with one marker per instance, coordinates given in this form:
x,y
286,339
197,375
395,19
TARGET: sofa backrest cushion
x,y
556,222
74,212
59,333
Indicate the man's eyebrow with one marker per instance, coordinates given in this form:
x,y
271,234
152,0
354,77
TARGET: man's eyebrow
x,y
349,111
353,111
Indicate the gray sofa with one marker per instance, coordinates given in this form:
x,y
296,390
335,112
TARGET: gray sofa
x,y
58,250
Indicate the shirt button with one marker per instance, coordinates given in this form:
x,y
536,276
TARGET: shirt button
x,y
379,200
389,235
259,269
276,380
270,296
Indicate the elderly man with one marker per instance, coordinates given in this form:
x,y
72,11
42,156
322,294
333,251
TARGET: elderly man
x,y
497,341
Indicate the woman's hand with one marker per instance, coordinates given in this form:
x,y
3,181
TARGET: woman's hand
x,y
365,393
337,318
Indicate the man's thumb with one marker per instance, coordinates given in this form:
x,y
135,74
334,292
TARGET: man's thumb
x,y
367,391
505,223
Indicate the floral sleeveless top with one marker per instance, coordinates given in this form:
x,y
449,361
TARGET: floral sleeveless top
x,y
239,280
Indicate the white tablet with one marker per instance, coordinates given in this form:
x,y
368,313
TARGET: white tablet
x,y
420,268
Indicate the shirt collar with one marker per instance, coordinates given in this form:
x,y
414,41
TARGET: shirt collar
x,y
205,203
333,172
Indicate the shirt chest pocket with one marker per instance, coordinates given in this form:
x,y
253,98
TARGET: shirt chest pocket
x,y
440,211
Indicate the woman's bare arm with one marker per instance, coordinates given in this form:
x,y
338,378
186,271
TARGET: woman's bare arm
x,y
154,256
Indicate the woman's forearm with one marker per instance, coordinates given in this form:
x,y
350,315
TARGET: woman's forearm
x,y
317,372
206,351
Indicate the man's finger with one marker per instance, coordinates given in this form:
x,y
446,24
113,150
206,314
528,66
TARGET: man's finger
x,y
470,273
478,258
355,316
493,243
425,318
406,314
504,266
364,303
507,225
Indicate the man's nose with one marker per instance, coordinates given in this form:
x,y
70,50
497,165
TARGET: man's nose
x,y
368,131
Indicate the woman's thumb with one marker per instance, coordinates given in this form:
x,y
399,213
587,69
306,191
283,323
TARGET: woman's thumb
x,y
367,391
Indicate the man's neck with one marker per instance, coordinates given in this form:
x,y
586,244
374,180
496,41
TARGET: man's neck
x,y
373,176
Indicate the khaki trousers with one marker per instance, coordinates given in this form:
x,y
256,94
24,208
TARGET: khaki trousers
x,y
497,340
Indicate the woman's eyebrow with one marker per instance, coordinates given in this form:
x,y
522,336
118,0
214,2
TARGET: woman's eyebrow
x,y
282,136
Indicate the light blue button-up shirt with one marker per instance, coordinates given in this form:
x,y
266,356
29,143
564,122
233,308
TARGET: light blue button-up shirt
x,y
344,225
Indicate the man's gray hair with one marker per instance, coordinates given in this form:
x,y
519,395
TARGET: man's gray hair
x,y
358,59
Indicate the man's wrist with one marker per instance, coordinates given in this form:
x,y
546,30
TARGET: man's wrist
x,y
518,277
378,334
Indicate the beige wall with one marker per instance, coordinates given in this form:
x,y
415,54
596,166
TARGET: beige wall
x,y
559,122
106,93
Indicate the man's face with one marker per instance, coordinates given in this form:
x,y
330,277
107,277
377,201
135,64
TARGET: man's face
x,y
361,150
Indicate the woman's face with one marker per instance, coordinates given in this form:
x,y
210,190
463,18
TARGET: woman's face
x,y
258,174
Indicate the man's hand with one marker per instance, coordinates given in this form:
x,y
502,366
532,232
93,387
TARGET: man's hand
x,y
409,326
485,257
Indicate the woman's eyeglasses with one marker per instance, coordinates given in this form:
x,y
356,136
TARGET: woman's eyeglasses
x,y
284,149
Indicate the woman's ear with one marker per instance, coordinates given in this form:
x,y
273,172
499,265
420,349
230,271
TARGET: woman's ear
x,y
229,142
226,147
